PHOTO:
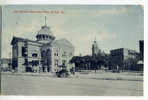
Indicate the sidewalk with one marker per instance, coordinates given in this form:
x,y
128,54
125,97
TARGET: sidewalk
x,y
100,75
29,74
126,76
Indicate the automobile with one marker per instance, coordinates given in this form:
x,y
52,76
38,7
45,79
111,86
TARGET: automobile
x,y
62,73
115,71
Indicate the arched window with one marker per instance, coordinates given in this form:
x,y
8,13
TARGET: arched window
x,y
43,36
48,52
43,53
47,37
39,36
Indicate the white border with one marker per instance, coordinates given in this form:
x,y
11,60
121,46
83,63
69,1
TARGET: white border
x,y
145,51
86,2
71,2
69,98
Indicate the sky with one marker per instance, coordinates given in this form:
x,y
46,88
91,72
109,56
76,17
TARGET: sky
x,y
114,26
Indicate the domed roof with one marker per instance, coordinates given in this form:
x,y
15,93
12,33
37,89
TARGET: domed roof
x,y
45,35
45,30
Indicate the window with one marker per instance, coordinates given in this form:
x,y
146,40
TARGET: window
x,y
56,62
24,51
26,62
43,54
63,62
70,54
35,62
34,55
43,37
55,54
64,54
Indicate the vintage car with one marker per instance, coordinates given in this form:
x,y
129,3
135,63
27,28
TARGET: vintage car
x,y
62,73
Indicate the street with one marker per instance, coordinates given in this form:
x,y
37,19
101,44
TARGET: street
x,y
44,85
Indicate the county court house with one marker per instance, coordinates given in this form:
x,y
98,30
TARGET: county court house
x,y
45,54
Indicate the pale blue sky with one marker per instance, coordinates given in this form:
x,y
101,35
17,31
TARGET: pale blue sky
x,y
114,26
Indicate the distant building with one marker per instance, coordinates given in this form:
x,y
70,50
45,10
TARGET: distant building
x,y
95,49
118,56
5,64
42,55
141,49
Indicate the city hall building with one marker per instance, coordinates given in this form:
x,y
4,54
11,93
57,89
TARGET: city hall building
x,y
45,54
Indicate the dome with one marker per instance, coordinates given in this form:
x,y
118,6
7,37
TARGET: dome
x,y
45,30
45,35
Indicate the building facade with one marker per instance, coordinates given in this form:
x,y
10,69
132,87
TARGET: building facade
x,y
141,49
5,64
119,56
45,54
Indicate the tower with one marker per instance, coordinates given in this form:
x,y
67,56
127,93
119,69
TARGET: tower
x,y
95,49
44,34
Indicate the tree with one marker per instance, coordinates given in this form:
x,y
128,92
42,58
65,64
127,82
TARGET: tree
x,y
78,62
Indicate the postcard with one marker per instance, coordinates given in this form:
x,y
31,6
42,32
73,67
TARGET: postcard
x,y
72,50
